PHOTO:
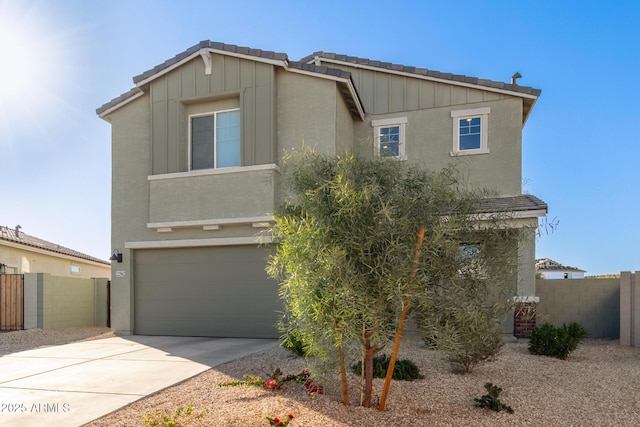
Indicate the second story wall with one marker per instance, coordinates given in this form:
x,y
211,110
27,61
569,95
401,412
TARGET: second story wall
x,y
234,83
429,113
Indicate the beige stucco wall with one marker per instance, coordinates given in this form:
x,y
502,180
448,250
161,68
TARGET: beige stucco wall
x,y
306,113
21,259
429,143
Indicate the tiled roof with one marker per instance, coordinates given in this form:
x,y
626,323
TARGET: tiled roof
x,y
551,265
522,203
242,50
306,64
12,235
422,72
234,49
118,100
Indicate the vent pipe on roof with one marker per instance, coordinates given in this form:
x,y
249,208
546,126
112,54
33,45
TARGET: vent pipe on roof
x,y
515,77
18,227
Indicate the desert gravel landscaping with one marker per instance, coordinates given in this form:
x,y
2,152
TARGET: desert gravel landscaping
x,y
598,385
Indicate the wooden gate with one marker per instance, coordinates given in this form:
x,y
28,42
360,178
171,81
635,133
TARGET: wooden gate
x,y
11,302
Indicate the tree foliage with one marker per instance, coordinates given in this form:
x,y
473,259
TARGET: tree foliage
x,y
364,242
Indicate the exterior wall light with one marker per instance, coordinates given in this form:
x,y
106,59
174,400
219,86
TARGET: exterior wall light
x,y
117,256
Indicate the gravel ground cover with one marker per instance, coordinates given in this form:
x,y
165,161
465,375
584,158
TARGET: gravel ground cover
x,y
598,385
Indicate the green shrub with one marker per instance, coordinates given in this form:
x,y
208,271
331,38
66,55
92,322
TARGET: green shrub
x,y
469,335
404,370
549,340
294,343
491,399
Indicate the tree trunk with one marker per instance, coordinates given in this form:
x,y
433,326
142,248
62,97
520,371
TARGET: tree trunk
x,y
369,351
403,318
343,375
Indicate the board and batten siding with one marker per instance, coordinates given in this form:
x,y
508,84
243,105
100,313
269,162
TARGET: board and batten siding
x,y
383,93
249,85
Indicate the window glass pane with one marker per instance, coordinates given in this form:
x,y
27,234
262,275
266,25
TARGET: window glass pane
x,y
470,133
202,142
470,142
390,141
228,139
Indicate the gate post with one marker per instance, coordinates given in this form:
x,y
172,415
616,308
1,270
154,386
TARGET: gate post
x,y
629,309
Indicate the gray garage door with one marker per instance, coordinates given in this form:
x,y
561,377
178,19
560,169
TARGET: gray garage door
x,y
215,292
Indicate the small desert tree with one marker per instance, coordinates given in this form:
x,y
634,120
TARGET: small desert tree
x,y
361,244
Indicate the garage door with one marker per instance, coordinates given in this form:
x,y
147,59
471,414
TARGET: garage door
x,y
214,292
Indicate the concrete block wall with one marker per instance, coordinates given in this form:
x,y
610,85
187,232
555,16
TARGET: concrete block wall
x,y
54,302
594,303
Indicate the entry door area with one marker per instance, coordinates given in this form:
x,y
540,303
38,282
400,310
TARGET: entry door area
x,y
213,292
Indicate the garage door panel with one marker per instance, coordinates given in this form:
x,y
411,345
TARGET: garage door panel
x,y
221,291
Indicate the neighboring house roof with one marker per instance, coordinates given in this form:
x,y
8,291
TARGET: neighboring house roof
x,y
546,264
17,236
342,77
528,93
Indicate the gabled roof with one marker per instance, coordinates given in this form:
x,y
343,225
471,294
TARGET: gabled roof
x,y
217,46
548,264
342,77
529,94
16,236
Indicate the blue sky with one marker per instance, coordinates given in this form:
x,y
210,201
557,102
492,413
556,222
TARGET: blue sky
x,y
581,145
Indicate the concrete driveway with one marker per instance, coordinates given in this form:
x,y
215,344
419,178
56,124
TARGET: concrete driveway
x,y
73,384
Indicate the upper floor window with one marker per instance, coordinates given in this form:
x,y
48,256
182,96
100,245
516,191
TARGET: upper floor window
x,y
389,137
215,139
470,131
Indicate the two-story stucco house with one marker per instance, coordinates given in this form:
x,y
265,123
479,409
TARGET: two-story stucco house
x,y
196,146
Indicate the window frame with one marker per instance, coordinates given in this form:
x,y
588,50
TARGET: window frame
x,y
380,124
483,115
215,138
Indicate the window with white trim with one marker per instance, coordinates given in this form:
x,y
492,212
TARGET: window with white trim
x,y
470,131
389,135
214,139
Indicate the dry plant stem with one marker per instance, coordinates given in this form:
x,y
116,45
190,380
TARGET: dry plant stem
x,y
403,318
343,375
